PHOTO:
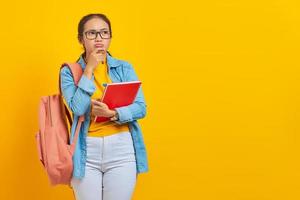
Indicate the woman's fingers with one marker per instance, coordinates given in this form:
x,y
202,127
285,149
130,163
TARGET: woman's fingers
x,y
100,54
94,102
98,103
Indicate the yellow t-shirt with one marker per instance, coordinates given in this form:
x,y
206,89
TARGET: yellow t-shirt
x,y
103,128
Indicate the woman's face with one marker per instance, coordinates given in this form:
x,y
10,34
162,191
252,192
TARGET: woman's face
x,y
91,38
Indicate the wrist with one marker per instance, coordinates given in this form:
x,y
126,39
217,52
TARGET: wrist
x,y
115,116
88,72
89,69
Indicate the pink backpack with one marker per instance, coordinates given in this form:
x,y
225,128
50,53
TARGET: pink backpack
x,y
54,148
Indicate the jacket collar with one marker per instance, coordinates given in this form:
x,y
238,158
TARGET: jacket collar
x,y
111,62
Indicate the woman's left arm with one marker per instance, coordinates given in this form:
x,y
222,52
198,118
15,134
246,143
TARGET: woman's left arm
x,y
137,109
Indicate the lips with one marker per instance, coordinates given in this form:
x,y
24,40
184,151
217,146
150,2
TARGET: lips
x,y
99,45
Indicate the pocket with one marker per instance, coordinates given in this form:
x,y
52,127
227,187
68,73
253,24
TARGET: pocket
x,y
125,143
125,138
124,147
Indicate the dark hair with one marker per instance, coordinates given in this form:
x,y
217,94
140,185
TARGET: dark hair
x,y
87,18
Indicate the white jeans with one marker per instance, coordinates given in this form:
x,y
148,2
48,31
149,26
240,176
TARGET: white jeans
x,y
110,172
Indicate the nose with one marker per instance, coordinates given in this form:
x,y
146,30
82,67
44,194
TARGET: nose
x,y
98,37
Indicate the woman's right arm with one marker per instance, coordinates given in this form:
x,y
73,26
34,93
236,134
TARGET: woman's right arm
x,y
77,97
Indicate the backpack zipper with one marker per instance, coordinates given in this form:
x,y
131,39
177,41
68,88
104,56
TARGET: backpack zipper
x,y
50,111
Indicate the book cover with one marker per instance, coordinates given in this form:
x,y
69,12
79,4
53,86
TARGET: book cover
x,y
117,95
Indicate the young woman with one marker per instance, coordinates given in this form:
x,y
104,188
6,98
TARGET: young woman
x,y
109,155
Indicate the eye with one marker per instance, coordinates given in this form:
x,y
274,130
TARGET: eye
x,y
106,32
91,32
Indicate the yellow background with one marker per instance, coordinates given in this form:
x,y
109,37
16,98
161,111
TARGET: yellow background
x,y
221,81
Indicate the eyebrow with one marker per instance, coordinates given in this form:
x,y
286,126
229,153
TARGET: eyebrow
x,y
99,29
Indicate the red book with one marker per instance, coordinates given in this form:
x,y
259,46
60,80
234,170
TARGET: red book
x,y
118,94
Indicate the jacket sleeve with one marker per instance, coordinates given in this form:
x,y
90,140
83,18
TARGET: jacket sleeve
x,y
77,97
137,109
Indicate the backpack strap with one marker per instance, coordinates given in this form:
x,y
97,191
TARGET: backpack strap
x,y
77,72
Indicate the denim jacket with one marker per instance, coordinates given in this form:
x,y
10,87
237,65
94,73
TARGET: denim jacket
x,y
78,99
